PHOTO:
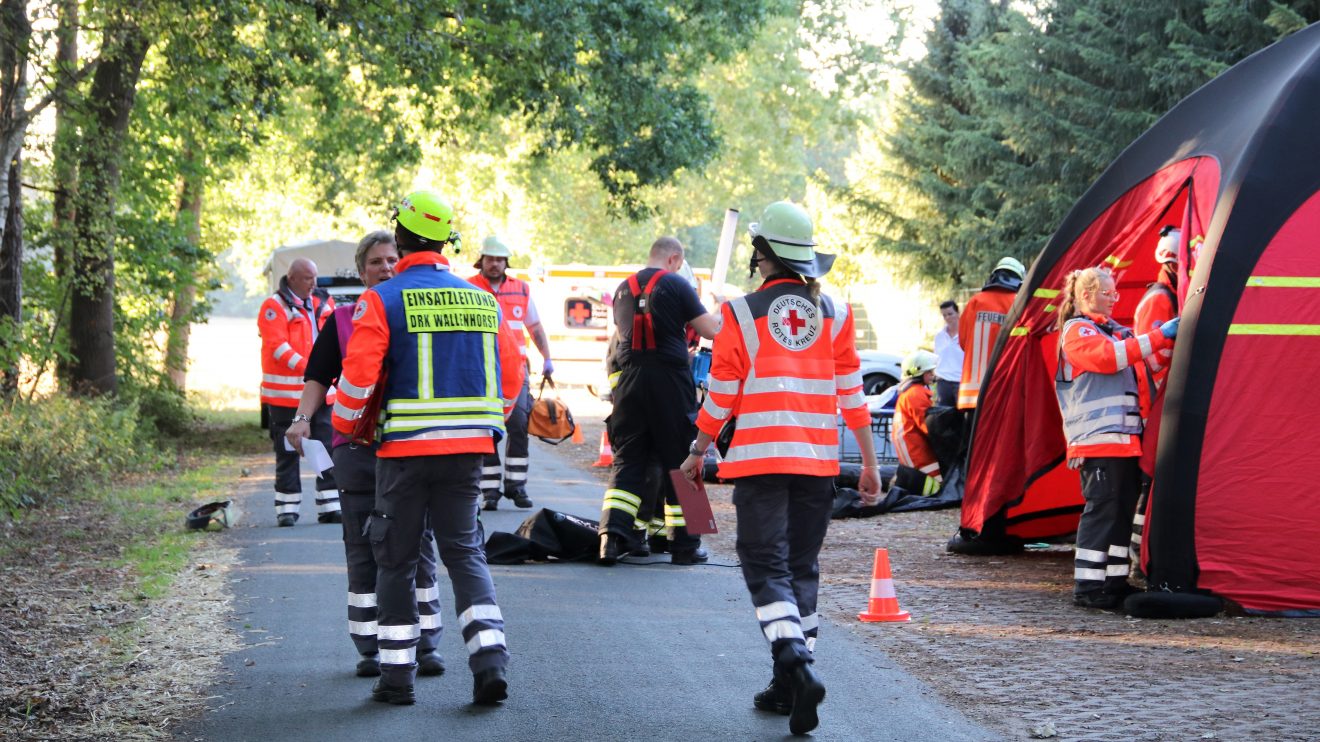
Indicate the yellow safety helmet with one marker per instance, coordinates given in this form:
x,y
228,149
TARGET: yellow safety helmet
x,y
426,215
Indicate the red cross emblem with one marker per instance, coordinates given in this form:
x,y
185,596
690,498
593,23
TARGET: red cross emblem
x,y
793,321
580,312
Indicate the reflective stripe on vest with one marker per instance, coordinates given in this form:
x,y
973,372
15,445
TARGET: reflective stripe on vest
x,y
643,327
1096,404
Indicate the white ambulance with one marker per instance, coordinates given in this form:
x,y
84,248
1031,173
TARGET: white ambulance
x,y
576,307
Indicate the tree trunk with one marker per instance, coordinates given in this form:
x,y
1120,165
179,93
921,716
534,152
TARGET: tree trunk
x,y
185,296
92,305
64,168
11,280
15,40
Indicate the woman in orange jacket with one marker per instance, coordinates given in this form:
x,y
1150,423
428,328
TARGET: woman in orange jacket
x,y
1101,364
919,470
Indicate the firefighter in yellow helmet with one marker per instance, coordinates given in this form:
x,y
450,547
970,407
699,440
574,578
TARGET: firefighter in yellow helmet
x,y
440,414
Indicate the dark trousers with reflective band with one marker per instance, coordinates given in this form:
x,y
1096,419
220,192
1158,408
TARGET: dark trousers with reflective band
x,y
288,480
516,452
446,489
1139,527
649,429
782,520
1111,487
355,467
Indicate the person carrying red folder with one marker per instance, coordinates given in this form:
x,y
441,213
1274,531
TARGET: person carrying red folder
x,y
783,363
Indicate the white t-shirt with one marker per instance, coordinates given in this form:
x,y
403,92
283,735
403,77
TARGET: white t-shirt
x,y
950,355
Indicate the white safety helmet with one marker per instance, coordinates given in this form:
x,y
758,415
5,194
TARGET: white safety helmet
x,y
1166,250
918,363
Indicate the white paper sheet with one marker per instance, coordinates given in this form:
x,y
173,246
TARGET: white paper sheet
x,y
314,453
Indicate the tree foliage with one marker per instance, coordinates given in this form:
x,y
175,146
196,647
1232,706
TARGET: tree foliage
x,y
1013,113
180,99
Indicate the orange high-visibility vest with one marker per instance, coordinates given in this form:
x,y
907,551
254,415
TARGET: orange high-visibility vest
x,y
978,329
286,341
785,365
909,433
1157,306
514,297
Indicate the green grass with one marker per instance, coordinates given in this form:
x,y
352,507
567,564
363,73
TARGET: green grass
x,y
152,512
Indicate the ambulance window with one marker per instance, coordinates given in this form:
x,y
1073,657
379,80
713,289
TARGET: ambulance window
x,y
582,312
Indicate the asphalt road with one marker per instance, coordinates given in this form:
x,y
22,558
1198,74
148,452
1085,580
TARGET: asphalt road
x,y
652,652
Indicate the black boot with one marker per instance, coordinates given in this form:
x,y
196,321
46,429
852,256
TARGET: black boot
x,y
808,692
368,666
430,664
640,546
695,556
777,696
611,548
397,695
490,686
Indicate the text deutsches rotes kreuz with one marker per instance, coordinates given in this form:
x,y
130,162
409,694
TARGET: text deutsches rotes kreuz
x,y
794,322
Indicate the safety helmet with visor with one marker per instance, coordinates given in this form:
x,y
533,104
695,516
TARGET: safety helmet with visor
x,y
785,231
1166,250
919,362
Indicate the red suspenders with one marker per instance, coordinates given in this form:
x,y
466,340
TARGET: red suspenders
x,y
643,330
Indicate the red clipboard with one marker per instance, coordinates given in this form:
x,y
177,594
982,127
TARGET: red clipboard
x,y
696,505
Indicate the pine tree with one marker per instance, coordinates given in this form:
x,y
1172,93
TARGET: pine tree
x,y
929,200
1006,124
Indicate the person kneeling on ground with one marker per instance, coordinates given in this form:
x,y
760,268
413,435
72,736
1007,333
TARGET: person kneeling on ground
x,y
919,469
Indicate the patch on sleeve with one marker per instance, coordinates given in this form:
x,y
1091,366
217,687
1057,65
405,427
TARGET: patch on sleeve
x,y
359,310
270,314
1085,332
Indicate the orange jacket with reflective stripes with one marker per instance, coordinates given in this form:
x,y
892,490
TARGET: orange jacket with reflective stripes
x,y
909,434
1090,351
785,366
514,297
286,341
1157,306
978,329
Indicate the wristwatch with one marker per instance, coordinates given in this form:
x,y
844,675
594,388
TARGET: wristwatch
x,y
693,450
300,418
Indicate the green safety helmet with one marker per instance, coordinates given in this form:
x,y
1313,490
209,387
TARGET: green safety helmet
x,y
786,230
918,363
426,215
1012,265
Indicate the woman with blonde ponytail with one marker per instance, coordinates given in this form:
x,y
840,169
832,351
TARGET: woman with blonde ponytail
x,y
1098,395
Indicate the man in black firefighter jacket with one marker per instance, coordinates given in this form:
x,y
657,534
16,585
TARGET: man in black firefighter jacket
x,y
655,402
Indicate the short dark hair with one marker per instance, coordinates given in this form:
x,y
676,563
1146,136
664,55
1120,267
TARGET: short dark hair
x,y
409,241
947,304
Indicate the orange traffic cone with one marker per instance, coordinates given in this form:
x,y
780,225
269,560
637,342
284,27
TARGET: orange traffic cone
x,y
577,435
606,453
884,601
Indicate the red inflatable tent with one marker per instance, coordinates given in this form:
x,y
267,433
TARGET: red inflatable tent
x,y
1235,506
